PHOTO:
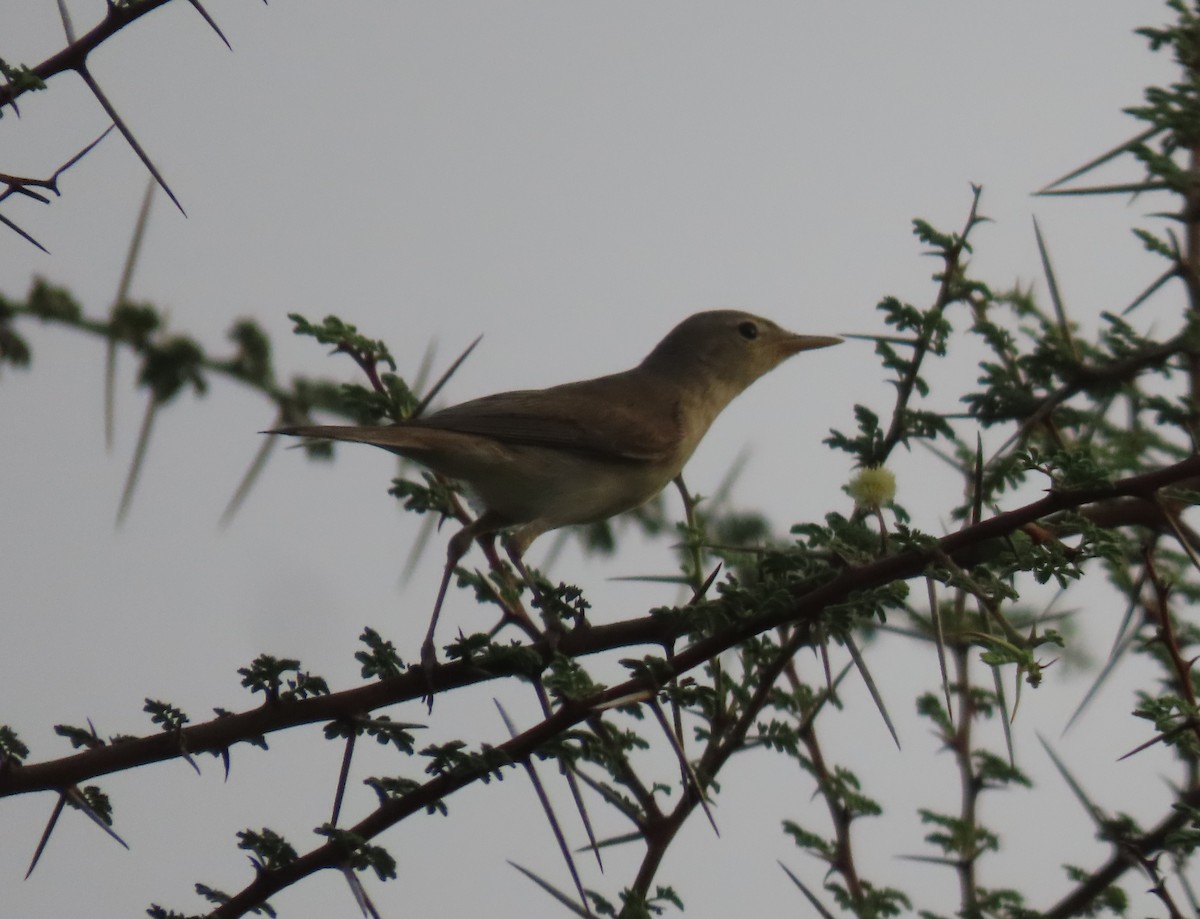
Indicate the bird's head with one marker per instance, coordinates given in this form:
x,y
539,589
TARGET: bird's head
x,y
730,348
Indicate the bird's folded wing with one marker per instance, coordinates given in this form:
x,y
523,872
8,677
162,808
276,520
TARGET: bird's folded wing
x,y
595,417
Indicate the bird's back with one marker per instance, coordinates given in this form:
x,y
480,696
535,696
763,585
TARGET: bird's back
x,y
604,417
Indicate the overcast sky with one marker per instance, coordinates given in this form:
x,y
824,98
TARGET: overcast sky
x,y
570,180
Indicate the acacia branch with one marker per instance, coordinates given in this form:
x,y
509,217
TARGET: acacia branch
x,y
75,54
222,732
1083,897
805,608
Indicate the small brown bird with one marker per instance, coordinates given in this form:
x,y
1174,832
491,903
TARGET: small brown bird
x,y
581,452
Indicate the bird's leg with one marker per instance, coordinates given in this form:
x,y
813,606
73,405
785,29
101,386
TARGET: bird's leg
x,y
689,511
459,543
513,550
514,613
515,547
693,535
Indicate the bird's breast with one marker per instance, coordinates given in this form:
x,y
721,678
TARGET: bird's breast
x,y
561,488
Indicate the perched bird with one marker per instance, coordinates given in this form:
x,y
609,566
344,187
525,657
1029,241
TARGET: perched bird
x,y
582,452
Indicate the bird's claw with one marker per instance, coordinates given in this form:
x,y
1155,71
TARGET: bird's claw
x,y
428,665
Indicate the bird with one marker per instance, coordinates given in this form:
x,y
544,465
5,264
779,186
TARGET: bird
x,y
582,452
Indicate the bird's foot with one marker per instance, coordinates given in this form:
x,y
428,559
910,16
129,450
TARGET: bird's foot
x,y
428,666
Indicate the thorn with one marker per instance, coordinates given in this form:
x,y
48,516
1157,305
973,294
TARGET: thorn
x,y
87,78
25,236
251,476
212,22
360,893
68,28
437,387
872,688
50,824
683,761
343,776
75,796
139,455
131,257
548,810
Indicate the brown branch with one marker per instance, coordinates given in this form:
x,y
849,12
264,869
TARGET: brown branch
x,y
19,185
220,733
805,608
74,57
1084,896
952,274
75,54
1081,376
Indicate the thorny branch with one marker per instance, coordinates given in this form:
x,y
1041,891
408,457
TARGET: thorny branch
x,y
74,58
221,733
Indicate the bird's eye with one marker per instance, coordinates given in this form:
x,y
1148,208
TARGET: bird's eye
x,y
748,331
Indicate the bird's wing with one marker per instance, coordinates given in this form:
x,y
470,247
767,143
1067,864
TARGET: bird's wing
x,y
609,416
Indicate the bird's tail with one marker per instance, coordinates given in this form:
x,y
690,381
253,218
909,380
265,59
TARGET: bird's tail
x,y
362,434
398,438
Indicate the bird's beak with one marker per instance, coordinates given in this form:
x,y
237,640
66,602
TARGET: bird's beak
x,y
794,344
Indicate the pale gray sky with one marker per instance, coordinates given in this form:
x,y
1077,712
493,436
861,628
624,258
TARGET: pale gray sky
x,y
569,179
